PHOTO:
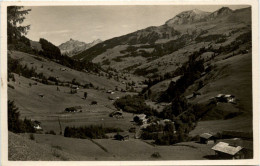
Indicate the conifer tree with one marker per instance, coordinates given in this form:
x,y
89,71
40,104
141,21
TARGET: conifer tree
x,y
15,17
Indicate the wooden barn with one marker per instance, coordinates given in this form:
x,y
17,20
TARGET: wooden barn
x,y
207,138
225,151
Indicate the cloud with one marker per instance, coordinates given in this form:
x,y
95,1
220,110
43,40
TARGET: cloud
x,y
54,32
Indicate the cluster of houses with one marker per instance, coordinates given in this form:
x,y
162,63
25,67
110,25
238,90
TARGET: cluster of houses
x,y
145,122
224,150
224,98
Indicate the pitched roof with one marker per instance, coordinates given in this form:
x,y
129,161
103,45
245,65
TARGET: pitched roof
x,y
220,95
206,135
228,95
189,96
226,148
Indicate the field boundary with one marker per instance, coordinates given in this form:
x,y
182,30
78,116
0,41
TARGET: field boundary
x,y
99,145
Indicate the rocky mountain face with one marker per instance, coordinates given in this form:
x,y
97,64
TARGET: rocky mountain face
x,y
73,47
225,11
186,17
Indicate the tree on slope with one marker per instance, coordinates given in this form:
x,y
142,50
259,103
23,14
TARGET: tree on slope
x,y
15,17
14,124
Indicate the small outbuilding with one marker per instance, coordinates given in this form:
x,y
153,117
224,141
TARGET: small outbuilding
x,y
121,137
110,91
117,114
76,87
37,125
225,151
41,95
207,138
230,98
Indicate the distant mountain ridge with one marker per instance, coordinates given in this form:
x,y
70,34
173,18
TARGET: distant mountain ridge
x,y
191,16
73,47
176,32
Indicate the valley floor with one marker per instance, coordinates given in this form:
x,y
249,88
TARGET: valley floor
x,y
49,110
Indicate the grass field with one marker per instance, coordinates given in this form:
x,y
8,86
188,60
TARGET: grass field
x,y
132,149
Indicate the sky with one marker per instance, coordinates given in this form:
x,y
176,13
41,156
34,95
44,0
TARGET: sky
x,y
59,24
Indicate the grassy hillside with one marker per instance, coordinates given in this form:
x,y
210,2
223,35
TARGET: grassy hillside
x,y
231,76
64,74
24,149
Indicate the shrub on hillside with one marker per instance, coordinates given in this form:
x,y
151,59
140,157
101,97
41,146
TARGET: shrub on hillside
x,y
32,137
156,155
94,103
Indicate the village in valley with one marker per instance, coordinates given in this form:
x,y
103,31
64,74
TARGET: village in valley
x,y
179,91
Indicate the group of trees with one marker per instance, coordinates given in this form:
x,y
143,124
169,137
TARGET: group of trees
x,y
192,72
49,50
134,104
93,132
15,124
145,71
216,37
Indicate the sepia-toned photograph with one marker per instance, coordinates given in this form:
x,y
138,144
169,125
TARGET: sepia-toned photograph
x,y
129,82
